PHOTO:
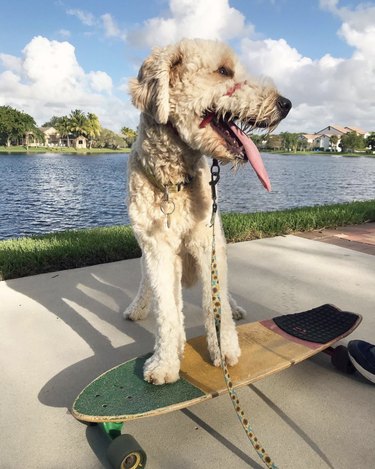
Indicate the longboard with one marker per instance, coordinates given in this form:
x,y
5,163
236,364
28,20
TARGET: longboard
x,y
267,347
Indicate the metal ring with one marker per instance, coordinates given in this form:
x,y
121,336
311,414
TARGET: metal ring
x,y
166,205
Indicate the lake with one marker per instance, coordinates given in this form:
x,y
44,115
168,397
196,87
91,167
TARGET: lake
x,y
43,193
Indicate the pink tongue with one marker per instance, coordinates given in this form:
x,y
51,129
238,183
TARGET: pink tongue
x,y
253,156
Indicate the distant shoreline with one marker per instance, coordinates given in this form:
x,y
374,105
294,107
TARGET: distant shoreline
x,y
91,151
63,150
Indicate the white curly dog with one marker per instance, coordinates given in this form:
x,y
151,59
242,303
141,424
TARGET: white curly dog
x,y
195,99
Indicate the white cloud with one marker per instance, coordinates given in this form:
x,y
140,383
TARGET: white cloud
x,y
48,80
328,90
64,33
87,18
110,27
209,19
10,62
100,82
358,27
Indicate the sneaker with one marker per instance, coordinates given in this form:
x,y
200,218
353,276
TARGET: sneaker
x,y
362,355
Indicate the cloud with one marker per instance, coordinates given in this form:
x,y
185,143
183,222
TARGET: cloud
x,y
86,18
64,33
358,27
100,82
328,90
209,19
48,80
10,62
110,27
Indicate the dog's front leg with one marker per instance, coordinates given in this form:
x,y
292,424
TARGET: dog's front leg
x,y
229,339
163,267
228,336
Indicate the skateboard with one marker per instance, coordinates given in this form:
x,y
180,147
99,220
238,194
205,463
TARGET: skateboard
x,y
268,347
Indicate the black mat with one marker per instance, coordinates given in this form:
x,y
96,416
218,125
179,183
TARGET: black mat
x,y
321,324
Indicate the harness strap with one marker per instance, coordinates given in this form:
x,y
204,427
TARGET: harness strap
x,y
216,311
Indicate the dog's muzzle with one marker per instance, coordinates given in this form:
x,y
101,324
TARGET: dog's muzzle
x,y
284,105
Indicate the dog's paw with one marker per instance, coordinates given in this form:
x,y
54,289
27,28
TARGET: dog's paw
x,y
238,312
230,350
230,357
156,371
136,312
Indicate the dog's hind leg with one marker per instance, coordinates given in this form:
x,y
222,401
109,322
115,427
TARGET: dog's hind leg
x,y
237,312
164,270
141,305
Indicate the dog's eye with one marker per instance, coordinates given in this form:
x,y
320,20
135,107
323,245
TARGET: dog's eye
x,y
225,71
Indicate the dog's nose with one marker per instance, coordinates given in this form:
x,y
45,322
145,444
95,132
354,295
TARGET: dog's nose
x,y
284,105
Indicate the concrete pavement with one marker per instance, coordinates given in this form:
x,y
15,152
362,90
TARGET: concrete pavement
x,y
58,331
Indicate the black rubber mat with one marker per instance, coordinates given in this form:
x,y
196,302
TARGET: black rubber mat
x,y
321,324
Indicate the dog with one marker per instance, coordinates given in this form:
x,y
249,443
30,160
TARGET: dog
x,y
195,99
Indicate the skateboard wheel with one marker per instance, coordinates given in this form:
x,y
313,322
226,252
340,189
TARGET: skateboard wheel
x,y
124,452
340,360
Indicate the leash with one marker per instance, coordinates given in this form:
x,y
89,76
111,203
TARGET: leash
x,y
216,310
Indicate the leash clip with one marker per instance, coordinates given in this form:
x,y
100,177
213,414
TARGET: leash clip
x,y
215,178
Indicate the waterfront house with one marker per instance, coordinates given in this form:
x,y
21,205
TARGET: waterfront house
x,y
52,137
322,140
79,142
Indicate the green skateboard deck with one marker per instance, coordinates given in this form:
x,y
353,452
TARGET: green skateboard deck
x,y
267,347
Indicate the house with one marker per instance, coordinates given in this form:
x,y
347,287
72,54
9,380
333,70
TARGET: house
x,y
52,137
79,142
322,140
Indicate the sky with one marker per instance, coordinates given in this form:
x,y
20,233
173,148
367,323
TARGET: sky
x,y
60,55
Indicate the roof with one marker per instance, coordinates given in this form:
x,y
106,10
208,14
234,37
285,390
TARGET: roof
x,y
356,129
339,128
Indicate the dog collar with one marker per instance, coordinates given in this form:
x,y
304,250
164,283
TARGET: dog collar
x,y
165,188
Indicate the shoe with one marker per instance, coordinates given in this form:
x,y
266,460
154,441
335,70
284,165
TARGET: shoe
x,y
362,355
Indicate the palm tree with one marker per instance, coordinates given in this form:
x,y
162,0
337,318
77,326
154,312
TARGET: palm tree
x,y
63,126
78,122
129,135
93,127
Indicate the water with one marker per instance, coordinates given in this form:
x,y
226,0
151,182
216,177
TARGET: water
x,y
43,193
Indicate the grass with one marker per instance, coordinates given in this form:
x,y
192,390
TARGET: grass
x,y
70,150
78,248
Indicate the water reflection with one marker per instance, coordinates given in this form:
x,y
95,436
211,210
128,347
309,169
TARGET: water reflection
x,y
46,193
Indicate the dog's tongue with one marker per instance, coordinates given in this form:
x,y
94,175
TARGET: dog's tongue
x,y
253,156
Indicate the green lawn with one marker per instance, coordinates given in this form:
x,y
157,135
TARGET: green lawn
x,y
77,248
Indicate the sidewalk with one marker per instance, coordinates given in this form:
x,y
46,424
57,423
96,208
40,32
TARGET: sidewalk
x,y
58,331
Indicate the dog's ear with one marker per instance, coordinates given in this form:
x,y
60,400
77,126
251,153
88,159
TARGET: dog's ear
x,y
150,90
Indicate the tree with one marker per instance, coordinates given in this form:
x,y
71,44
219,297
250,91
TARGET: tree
x,y
52,122
289,141
258,139
274,142
129,135
63,126
15,125
370,141
109,139
78,122
351,142
93,127
333,139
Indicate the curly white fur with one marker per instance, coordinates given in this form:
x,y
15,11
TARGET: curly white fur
x,y
174,88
